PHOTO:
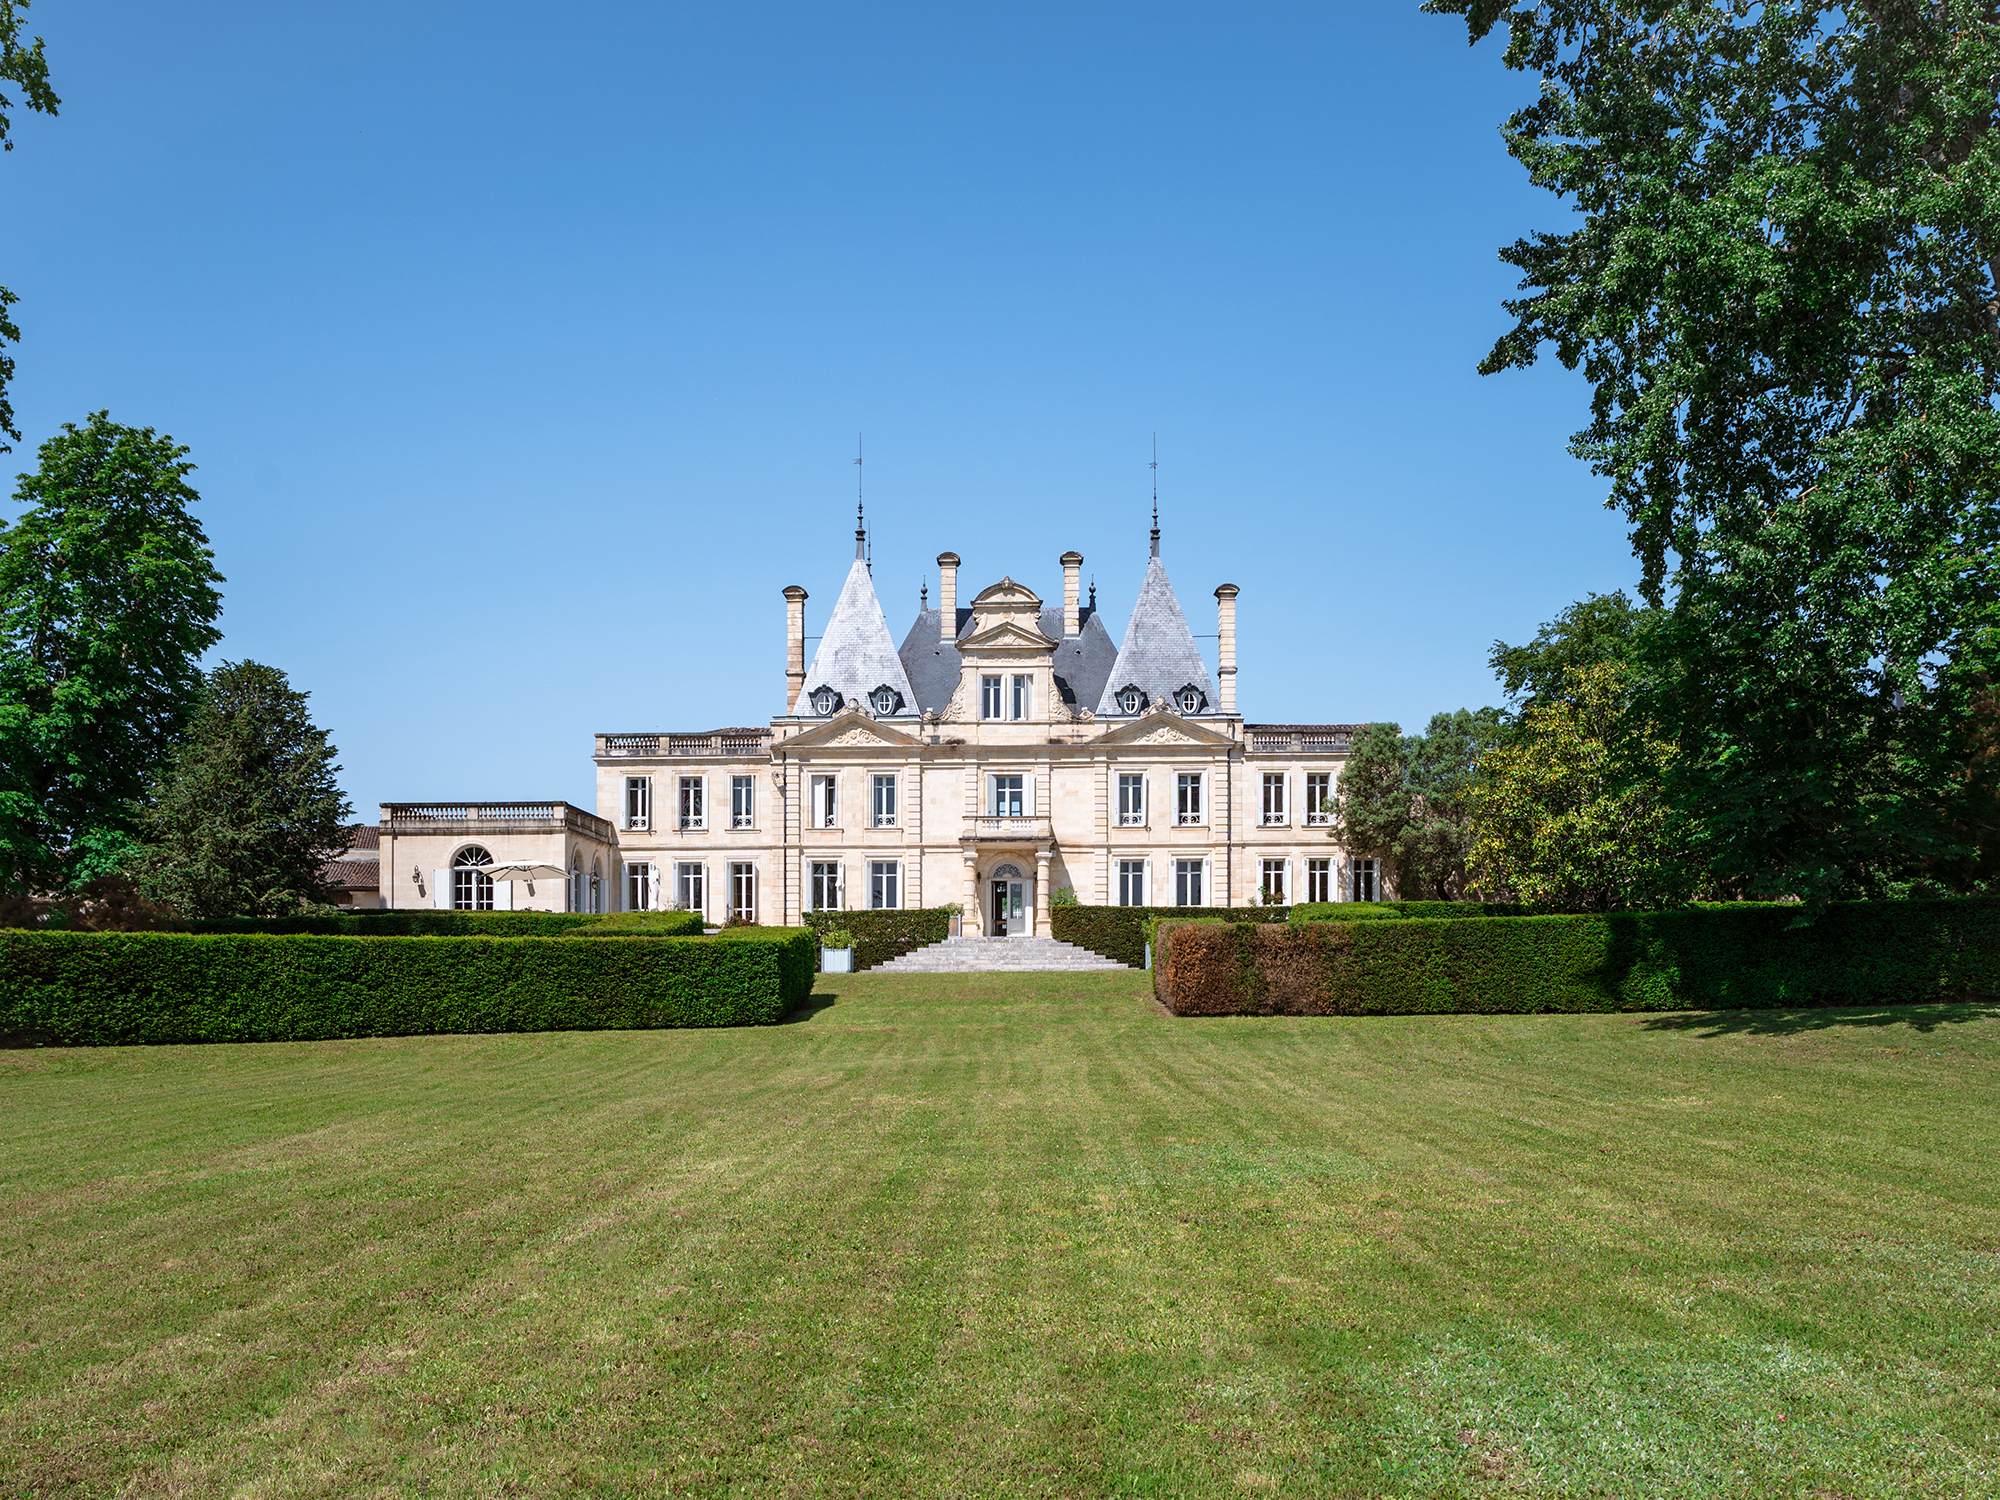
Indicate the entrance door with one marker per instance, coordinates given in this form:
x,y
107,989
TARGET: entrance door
x,y
1010,902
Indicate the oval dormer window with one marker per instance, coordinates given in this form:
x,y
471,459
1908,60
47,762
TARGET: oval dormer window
x,y
1190,701
823,701
1129,701
884,700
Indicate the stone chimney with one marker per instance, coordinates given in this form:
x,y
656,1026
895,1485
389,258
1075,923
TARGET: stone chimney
x,y
948,598
1225,652
1072,566
795,646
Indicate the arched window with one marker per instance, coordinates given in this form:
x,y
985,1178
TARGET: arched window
x,y
1130,700
885,699
824,701
1190,699
576,890
471,886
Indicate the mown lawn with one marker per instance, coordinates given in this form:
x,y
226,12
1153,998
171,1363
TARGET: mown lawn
x,y
1014,1235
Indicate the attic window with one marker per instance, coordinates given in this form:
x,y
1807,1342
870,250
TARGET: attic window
x,y
1130,700
1190,699
824,701
886,700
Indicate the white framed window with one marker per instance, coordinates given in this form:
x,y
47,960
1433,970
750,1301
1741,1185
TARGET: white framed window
x,y
743,802
1271,886
885,700
884,885
742,892
1188,881
639,886
1187,800
471,886
1131,803
1274,799
694,802
1319,798
638,802
1131,882
824,809
825,885
1189,699
1361,880
1008,798
1130,700
691,888
1023,699
578,893
883,801
989,697
1319,880
824,701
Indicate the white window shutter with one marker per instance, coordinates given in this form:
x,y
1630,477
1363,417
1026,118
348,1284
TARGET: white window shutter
x,y
503,895
1028,794
441,889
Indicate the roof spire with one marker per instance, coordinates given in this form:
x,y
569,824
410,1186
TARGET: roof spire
x,y
1155,467
860,527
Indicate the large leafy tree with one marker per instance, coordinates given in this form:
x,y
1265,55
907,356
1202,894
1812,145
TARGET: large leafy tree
x,y
23,65
1408,799
1783,284
249,810
107,602
1600,628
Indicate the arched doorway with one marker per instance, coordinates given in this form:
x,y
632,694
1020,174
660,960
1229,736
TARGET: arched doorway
x,y
471,886
1011,901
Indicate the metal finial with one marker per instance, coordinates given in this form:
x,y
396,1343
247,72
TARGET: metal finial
x,y
1093,595
923,597
1155,466
860,527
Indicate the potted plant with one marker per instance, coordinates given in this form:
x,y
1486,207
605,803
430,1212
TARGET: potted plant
x,y
836,951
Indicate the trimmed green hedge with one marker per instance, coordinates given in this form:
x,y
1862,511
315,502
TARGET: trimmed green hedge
x,y
1119,932
429,923
1346,911
1745,957
1457,909
882,935
647,924
95,989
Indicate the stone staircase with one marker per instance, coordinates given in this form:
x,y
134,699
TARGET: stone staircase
x,y
990,955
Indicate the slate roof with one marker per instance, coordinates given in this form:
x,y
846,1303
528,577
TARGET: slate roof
x,y
856,654
1082,664
1159,655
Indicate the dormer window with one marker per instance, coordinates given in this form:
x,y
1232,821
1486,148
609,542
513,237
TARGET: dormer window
x,y
1130,700
824,701
886,700
1190,699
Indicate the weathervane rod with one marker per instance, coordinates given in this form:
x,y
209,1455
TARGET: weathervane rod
x,y
1155,467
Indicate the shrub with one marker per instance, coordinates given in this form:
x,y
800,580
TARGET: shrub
x,y
426,923
94,989
879,936
642,924
1459,909
1063,895
1742,956
1350,911
1119,932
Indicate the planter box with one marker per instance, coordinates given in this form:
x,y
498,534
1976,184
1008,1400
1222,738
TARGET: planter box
x,y
836,960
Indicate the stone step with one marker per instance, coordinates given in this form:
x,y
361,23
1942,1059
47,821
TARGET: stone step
x,y
984,955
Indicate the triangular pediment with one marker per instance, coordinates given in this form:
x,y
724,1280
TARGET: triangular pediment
x,y
851,728
1008,635
1163,727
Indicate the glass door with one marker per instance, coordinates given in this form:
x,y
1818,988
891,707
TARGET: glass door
x,y
1010,902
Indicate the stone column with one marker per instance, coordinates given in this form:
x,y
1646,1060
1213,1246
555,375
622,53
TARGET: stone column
x,y
795,646
1042,858
1072,566
948,598
1225,654
973,923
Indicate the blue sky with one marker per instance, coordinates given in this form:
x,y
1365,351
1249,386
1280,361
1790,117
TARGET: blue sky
x,y
523,351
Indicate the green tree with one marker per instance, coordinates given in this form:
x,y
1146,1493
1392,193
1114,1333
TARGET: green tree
x,y
107,601
1599,628
248,811
25,66
1408,800
1783,284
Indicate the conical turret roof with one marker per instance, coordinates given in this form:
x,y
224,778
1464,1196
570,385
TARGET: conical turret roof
x,y
856,654
1159,656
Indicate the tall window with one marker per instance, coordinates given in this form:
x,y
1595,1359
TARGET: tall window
x,y
1362,878
1187,882
597,895
1007,797
1319,797
989,697
471,886
882,893
824,808
1319,880
691,888
825,894
743,802
578,894
1131,882
694,802
885,801
1187,807
1272,886
1131,803
1021,703
742,893
639,887
1274,798
638,802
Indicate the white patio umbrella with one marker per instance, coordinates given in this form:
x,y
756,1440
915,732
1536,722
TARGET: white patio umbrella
x,y
527,871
